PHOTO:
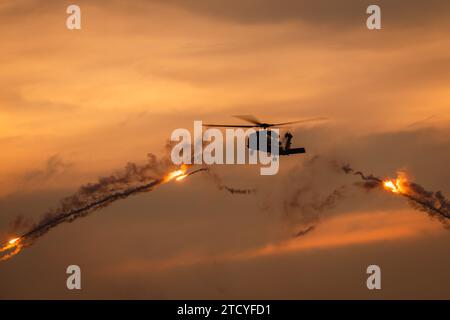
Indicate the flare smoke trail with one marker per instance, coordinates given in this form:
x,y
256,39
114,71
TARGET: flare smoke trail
x,y
91,197
434,203
303,232
222,186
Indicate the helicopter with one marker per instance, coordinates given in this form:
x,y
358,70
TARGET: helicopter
x,y
263,131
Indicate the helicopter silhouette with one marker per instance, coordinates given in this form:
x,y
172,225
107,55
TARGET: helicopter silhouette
x,y
263,132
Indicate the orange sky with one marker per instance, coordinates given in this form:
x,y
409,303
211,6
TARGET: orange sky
x,y
75,105
149,68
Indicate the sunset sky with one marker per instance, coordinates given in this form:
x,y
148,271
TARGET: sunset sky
x,y
77,105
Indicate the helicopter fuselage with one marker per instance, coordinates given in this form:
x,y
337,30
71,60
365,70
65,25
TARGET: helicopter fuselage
x,y
284,148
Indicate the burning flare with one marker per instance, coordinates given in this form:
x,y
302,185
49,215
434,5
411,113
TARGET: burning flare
x,y
177,174
392,185
398,185
181,177
433,203
12,248
13,241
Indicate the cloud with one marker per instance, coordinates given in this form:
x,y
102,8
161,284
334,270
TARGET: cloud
x,y
352,229
346,13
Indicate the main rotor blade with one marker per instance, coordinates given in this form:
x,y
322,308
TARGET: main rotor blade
x,y
228,126
249,118
256,122
299,121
